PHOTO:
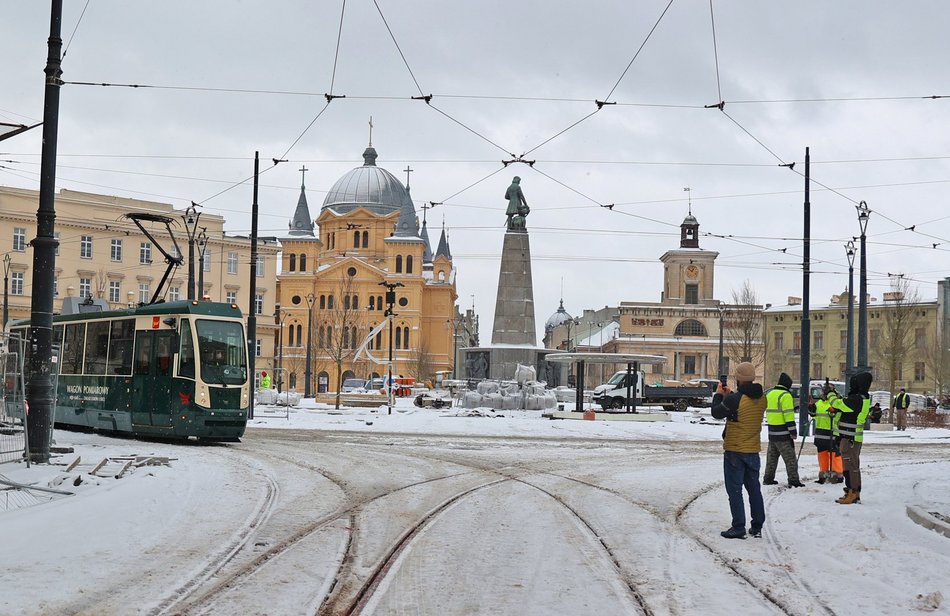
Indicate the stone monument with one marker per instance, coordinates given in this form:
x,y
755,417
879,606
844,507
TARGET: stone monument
x,y
514,340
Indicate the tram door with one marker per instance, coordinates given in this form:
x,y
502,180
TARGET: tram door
x,y
152,379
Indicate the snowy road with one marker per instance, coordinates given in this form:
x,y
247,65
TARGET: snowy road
x,y
309,522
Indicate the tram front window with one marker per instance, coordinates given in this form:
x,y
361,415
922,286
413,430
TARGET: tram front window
x,y
222,351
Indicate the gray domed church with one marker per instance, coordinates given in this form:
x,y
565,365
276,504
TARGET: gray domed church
x,y
366,234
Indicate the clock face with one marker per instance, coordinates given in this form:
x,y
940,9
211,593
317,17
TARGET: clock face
x,y
692,271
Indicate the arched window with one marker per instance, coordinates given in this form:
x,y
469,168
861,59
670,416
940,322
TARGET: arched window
x,y
293,380
346,302
408,264
299,334
329,335
346,337
398,337
398,264
690,327
293,261
303,262
379,302
365,239
378,341
372,302
329,302
353,339
441,275
356,302
323,302
405,337
322,340
356,239
371,346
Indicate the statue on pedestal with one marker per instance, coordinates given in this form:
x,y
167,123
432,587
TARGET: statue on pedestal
x,y
518,208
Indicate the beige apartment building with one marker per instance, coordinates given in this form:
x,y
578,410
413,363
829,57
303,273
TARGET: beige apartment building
x,y
906,340
104,255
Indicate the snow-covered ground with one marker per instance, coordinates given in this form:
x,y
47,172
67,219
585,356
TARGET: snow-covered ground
x,y
503,513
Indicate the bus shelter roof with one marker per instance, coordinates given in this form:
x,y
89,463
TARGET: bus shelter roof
x,y
605,358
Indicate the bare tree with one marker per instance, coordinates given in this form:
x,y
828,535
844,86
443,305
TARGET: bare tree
x,y
102,281
421,361
339,333
896,339
742,326
936,359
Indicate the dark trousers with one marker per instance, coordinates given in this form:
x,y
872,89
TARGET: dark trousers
x,y
851,456
742,470
786,449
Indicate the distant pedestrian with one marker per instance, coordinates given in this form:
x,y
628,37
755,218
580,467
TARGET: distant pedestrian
x,y
743,410
876,413
901,403
780,416
265,380
853,411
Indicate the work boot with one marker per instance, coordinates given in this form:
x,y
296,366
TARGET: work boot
x,y
734,533
769,482
796,484
822,477
836,478
853,496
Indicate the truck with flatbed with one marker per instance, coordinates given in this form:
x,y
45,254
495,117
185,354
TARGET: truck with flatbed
x,y
613,395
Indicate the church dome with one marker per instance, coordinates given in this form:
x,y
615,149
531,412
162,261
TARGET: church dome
x,y
368,186
557,318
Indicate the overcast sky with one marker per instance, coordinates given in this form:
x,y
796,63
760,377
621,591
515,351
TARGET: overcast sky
x,y
518,80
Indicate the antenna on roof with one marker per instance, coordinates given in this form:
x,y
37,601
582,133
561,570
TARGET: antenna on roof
x,y
689,199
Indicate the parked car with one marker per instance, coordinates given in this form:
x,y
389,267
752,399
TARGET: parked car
x,y
352,385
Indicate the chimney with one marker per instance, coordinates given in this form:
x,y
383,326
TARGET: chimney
x,y
893,296
794,301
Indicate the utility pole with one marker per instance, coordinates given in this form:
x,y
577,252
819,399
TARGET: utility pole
x,y
252,292
191,225
390,302
39,389
202,245
849,353
308,372
805,389
864,213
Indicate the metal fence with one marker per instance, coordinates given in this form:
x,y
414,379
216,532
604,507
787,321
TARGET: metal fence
x,y
13,435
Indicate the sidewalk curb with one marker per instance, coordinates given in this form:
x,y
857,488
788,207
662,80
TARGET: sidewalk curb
x,y
927,520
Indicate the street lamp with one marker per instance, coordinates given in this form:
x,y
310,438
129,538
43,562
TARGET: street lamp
x,y
722,370
864,213
280,349
390,302
6,282
202,244
191,217
307,371
849,353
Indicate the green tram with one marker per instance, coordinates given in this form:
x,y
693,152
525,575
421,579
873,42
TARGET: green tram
x,y
168,369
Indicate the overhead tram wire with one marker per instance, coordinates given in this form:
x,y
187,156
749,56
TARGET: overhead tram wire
x,y
633,59
73,33
712,20
336,53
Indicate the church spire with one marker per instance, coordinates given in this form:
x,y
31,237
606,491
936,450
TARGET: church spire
x,y
302,223
443,249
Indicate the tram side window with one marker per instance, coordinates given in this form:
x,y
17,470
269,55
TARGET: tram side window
x,y
163,356
143,354
120,348
72,348
97,347
186,353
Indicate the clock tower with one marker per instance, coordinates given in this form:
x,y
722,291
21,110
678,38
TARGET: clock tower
x,y
688,272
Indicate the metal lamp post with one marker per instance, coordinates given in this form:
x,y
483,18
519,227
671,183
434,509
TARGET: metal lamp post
x,y
6,289
864,213
849,353
280,349
308,374
390,303
191,225
202,245
722,313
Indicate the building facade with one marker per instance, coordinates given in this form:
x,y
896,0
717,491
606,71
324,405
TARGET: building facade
x,y
102,254
335,279
684,326
906,340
